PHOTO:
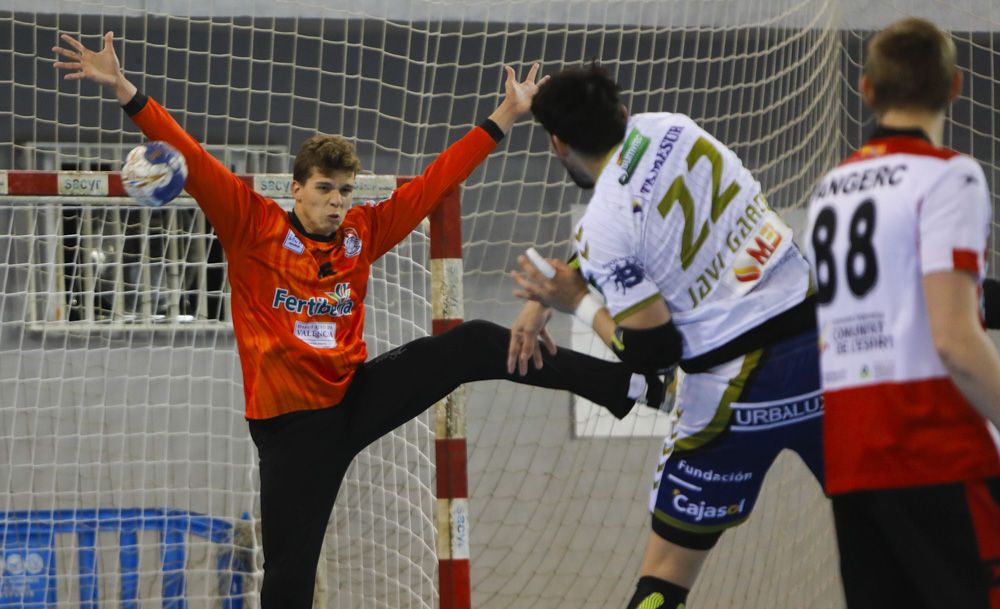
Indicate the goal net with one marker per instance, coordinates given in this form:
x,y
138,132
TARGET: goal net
x,y
129,475
124,459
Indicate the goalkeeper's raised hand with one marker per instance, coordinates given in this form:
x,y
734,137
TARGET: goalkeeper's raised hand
x,y
101,67
517,98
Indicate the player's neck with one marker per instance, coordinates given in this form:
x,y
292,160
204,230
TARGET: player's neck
x,y
931,123
593,166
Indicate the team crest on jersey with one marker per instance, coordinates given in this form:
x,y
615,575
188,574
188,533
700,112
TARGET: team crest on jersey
x,y
292,243
352,243
625,272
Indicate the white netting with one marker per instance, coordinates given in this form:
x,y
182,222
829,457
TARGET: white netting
x,y
123,413
558,509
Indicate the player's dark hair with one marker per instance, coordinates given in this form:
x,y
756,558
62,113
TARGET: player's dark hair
x,y
911,66
328,154
582,108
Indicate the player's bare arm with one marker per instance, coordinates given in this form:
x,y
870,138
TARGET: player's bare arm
x,y
964,348
566,291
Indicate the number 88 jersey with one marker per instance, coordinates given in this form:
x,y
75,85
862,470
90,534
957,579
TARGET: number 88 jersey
x,y
896,210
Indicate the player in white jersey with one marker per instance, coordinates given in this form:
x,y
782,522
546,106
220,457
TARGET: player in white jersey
x,y
695,269
898,236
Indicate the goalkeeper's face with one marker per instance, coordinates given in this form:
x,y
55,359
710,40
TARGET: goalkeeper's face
x,y
323,200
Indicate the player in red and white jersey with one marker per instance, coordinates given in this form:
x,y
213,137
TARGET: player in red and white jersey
x,y
299,281
898,236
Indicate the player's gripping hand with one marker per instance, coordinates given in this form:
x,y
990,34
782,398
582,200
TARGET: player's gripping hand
x,y
524,334
562,292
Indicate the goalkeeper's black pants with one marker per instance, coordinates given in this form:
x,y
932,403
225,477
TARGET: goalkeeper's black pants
x,y
304,455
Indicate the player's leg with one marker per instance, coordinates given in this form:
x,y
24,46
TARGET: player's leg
x,y
869,579
668,572
703,486
794,367
924,547
698,494
409,379
729,425
302,463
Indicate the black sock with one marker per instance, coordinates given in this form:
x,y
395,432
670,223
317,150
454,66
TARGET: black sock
x,y
655,593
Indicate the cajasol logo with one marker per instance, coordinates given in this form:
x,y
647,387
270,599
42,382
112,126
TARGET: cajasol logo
x,y
701,511
337,304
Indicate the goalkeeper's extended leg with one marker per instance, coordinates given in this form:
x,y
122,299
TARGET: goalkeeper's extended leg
x,y
404,382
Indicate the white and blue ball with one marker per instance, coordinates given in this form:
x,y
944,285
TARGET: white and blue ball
x,y
154,173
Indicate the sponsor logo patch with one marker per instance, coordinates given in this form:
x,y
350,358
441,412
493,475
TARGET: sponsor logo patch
x,y
318,334
632,150
292,243
861,334
337,303
701,511
750,263
767,415
710,475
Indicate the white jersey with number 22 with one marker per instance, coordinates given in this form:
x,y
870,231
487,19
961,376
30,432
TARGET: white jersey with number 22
x,y
675,215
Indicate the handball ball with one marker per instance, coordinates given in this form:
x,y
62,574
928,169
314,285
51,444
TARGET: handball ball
x,y
154,173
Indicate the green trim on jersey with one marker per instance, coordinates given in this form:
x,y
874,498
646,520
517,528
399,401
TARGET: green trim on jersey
x,y
639,305
723,412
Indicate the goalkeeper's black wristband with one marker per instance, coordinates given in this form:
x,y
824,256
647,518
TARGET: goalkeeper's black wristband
x,y
493,129
991,303
134,105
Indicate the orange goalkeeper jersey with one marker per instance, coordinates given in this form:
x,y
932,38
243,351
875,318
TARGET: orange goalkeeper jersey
x,y
301,336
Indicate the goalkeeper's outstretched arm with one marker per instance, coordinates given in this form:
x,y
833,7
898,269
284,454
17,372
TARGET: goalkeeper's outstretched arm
x,y
231,206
